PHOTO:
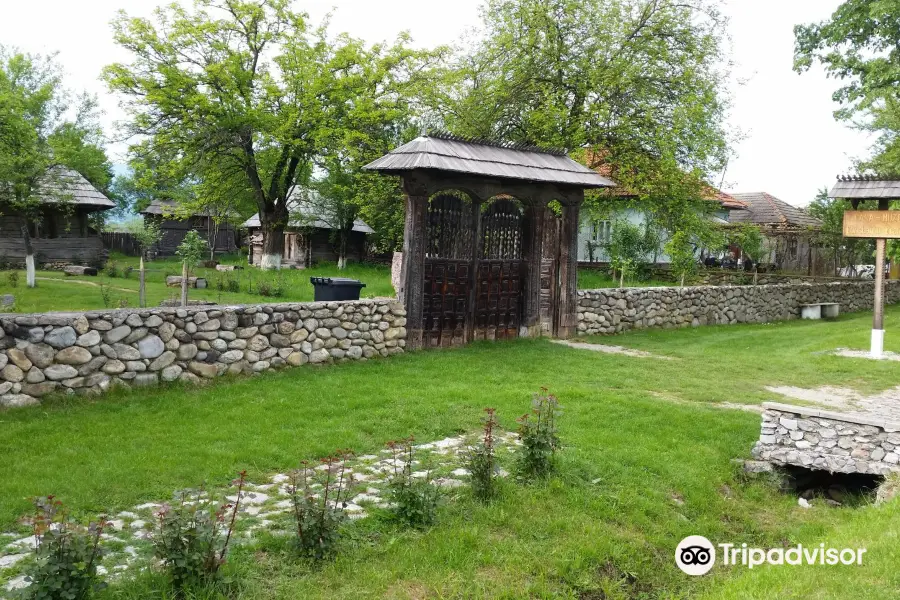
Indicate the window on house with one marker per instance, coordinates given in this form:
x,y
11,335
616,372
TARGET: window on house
x,y
601,231
792,248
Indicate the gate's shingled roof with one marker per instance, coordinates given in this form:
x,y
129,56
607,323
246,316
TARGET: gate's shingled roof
x,y
765,209
866,187
443,153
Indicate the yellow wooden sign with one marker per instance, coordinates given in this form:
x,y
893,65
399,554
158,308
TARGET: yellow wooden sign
x,y
872,224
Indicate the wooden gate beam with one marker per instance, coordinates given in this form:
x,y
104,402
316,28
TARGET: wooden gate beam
x,y
568,269
412,272
533,254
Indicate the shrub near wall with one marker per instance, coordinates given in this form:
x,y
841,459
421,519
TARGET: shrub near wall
x,y
607,311
45,353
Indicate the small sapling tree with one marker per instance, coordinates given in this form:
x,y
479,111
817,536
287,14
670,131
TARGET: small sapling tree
x,y
191,251
146,234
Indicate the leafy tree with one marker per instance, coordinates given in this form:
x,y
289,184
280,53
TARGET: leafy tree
x,y
627,249
635,85
860,45
146,234
43,125
748,238
191,250
842,251
681,254
240,95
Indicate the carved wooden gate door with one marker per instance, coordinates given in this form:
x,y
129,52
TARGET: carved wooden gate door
x,y
473,271
499,285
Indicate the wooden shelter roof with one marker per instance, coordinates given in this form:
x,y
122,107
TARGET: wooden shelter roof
x,y
62,185
767,210
864,187
169,208
446,153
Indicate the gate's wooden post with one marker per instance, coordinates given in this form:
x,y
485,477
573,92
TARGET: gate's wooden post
x,y
533,254
477,249
568,268
412,273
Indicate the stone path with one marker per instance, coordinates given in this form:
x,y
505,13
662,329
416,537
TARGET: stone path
x,y
883,406
264,506
610,349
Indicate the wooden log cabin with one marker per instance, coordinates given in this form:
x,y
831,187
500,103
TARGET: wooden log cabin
x,y
308,239
174,225
61,233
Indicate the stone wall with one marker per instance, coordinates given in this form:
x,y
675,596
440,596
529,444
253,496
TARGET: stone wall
x,y
816,439
46,353
616,310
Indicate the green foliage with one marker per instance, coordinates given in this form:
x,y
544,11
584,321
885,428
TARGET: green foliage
x,y
415,499
860,45
683,262
112,269
481,461
272,289
192,249
748,238
540,439
67,554
192,537
146,233
12,278
629,246
224,115
319,513
43,125
843,251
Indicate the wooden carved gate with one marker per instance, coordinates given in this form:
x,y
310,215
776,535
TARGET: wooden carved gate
x,y
473,283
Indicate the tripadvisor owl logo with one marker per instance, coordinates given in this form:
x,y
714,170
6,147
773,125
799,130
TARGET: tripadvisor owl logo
x,y
695,555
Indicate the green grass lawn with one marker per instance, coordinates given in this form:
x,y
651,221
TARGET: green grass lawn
x,y
647,461
57,292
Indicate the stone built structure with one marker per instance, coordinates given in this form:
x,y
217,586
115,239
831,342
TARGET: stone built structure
x,y
88,353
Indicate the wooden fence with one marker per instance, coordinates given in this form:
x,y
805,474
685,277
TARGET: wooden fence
x,y
120,241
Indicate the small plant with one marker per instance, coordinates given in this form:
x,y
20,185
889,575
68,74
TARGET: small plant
x,y
318,515
274,288
415,499
538,433
12,278
112,269
127,271
123,302
192,537
67,554
105,294
482,462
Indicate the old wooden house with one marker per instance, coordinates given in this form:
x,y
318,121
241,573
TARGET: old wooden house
x,y
789,233
61,231
310,238
218,231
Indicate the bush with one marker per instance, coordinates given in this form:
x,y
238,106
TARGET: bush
x,y
112,269
318,516
481,461
227,283
192,537
537,430
12,278
67,554
274,288
415,499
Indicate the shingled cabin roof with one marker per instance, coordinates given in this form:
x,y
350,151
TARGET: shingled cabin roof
x,y
443,152
64,185
302,215
169,208
768,211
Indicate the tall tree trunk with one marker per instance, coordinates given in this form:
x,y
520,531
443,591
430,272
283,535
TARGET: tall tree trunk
x,y
142,290
273,225
29,258
184,284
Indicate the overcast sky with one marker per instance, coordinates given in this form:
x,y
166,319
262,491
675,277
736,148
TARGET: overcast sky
x,y
792,146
